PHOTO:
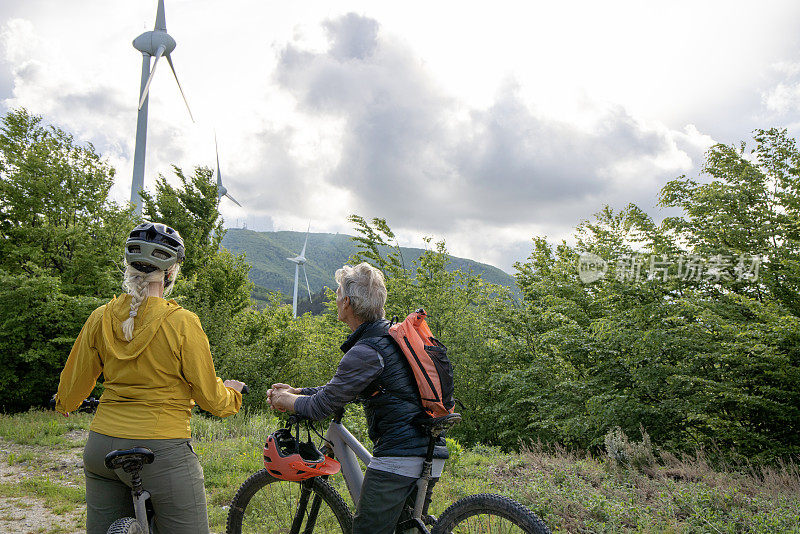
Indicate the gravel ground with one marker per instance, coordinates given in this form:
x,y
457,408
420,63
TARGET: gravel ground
x,y
30,515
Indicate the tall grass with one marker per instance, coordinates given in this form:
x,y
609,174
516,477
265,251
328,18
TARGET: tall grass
x,y
40,427
251,425
571,490
575,492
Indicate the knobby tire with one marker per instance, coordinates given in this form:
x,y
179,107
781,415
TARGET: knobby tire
x,y
267,504
126,525
478,513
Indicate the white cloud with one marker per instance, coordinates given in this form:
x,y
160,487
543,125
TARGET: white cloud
x,y
526,119
406,141
783,98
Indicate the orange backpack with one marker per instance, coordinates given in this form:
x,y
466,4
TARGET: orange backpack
x,y
427,357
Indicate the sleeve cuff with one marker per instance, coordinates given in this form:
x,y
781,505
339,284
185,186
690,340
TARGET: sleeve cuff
x,y
300,405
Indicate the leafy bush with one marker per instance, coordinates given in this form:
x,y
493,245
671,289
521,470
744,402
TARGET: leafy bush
x,y
627,453
38,325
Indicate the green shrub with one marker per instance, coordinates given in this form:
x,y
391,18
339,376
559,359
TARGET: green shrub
x,y
38,325
627,453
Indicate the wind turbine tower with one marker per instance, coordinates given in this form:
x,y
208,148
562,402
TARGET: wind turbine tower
x,y
300,260
154,43
222,191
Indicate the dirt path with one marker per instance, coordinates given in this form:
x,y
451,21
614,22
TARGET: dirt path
x,y
23,513
30,516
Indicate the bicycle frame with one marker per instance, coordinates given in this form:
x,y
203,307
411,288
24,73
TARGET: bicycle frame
x,y
348,450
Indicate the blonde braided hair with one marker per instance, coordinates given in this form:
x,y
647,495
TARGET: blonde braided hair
x,y
137,284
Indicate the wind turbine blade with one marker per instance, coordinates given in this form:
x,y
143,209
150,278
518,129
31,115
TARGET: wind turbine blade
x,y
230,197
161,20
307,286
219,176
169,60
306,243
159,52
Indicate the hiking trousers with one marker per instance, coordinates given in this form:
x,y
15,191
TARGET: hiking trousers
x,y
174,480
383,496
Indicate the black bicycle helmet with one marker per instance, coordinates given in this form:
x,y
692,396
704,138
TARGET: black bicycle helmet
x,y
152,246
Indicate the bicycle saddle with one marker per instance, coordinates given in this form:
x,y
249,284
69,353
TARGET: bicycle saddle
x,y
437,425
129,459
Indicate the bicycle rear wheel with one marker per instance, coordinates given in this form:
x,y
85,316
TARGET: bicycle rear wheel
x,y
484,513
266,504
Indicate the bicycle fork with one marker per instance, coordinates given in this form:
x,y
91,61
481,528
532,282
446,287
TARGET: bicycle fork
x,y
305,494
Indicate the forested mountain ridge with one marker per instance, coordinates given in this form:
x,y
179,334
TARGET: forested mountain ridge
x,y
267,254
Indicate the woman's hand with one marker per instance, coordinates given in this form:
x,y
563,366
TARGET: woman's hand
x,y
234,384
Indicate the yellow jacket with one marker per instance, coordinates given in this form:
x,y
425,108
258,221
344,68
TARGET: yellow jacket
x,y
151,382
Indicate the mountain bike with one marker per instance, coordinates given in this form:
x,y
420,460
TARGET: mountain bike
x,y
264,503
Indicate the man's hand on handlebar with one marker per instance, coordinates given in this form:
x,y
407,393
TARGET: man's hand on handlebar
x,y
282,397
293,391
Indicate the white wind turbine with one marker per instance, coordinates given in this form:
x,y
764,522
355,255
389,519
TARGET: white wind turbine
x,y
299,260
222,191
153,43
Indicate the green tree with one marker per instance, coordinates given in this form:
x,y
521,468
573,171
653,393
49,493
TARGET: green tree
x,y
750,207
192,208
61,243
697,365
212,279
38,325
54,208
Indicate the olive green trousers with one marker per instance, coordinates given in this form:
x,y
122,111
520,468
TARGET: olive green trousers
x,y
174,480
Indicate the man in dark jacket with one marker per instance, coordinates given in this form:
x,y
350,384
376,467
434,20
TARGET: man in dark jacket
x,y
375,371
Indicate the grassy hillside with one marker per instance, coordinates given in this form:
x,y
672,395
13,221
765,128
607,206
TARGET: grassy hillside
x,y
267,252
42,481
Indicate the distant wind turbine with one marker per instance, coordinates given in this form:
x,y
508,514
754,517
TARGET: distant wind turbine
x,y
299,260
222,191
153,43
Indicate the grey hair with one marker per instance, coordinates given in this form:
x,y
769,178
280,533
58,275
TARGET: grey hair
x,y
365,286
137,284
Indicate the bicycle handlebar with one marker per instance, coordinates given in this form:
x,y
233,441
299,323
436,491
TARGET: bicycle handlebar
x,y
338,414
88,405
296,419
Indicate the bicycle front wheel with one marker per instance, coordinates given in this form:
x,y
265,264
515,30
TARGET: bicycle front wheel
x,y
266,504
486,513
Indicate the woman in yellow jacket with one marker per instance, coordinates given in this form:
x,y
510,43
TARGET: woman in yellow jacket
x,y
156,363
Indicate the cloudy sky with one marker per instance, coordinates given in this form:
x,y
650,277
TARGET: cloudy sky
x,y
483,124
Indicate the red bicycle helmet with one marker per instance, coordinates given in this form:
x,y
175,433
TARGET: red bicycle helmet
x,y
289,459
